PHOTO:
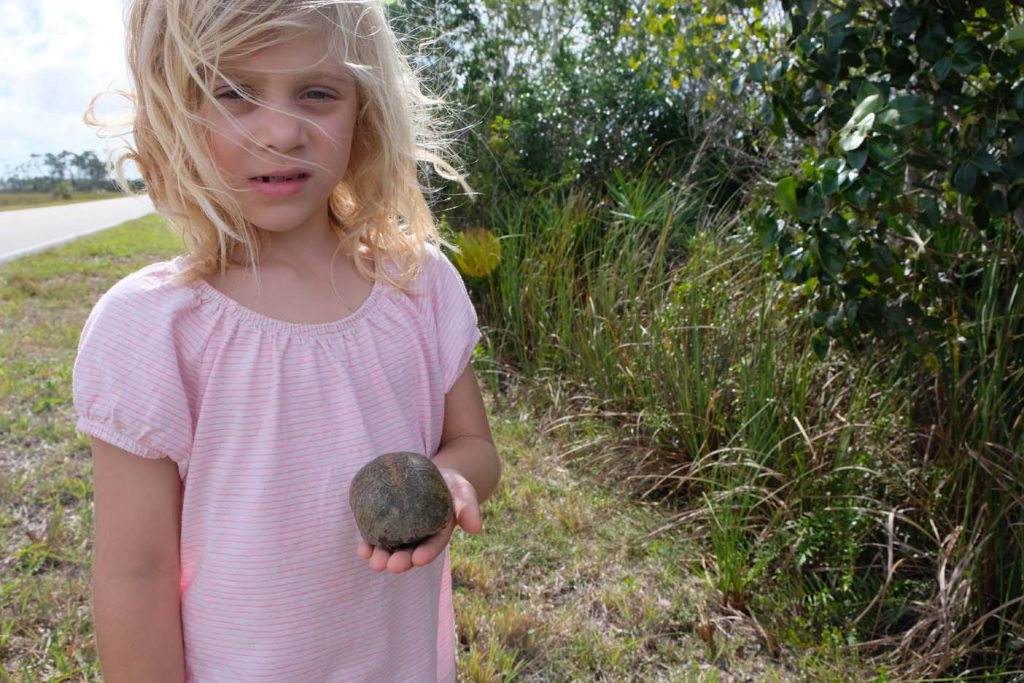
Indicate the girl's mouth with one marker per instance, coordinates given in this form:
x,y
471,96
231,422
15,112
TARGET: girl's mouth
x,y
280,178
279,185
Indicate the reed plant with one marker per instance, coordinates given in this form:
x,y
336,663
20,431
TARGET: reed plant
x,y
868,499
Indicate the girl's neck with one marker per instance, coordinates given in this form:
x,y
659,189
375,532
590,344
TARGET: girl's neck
x,y
309,254
299,292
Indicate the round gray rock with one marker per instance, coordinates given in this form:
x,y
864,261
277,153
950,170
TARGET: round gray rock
x,y
399,500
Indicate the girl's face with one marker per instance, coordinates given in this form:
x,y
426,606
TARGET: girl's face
x,y
282,157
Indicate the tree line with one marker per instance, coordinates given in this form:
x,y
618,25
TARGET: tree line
x,y
60,173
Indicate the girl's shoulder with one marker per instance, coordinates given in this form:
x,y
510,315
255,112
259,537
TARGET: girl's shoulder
x,y
159,275
440,289
135,375
435,269
147,295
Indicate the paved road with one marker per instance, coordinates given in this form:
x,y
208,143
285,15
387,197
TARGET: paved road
x,y
26,231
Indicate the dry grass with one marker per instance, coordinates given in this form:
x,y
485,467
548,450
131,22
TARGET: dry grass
x,y
574,580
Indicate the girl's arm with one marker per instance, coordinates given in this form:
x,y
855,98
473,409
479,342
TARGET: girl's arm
x,y
136,586
466,443
469,462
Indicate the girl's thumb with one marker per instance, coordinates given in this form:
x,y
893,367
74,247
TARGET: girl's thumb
x,y
468,517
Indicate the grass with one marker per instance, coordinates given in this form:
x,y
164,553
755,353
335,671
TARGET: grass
x,y
573,579
572,582
30,200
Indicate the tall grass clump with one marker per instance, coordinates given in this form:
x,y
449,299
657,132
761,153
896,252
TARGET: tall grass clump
x,y
970,423
822,481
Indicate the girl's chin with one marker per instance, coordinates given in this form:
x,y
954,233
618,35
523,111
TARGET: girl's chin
x,y
283,225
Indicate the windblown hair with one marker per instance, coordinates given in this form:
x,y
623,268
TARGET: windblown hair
x,y
174,49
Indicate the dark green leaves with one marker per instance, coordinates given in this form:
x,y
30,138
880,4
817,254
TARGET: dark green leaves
x,y
966,64
809,208
912,109
932,43
911,117
857,158
964,178
830,176
757,72
785,195
905,20
832,254
820,344
1015,38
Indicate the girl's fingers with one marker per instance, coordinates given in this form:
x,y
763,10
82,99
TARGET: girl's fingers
x,y
467,509
467,515
399,561
427,552
380,559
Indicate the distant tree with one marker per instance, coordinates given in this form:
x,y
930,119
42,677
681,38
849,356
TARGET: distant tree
x,y
62,189
92,172
57,164
48,172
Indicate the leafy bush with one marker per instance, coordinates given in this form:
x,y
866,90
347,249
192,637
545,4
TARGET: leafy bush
x,y
903,219
909,118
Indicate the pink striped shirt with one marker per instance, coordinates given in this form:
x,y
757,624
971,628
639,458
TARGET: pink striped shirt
x,y
268,421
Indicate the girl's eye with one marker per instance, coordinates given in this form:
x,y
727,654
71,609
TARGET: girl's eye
x,y
230,94
320,95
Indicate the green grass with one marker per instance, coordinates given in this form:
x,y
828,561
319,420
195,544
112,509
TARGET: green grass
x,y
30,200
573,579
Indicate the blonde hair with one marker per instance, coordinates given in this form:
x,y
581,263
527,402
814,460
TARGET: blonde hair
x,y
174,48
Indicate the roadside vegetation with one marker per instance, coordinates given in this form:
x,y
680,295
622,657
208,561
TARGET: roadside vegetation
x,y
56,178
776,249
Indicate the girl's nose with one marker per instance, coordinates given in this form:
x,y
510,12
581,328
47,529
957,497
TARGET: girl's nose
x,y
278,129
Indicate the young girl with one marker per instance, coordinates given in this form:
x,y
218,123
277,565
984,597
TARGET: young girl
x,y
313,324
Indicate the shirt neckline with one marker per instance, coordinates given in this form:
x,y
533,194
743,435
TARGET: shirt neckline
x,y
208,292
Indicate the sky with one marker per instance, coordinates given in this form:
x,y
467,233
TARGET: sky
x,y
54,56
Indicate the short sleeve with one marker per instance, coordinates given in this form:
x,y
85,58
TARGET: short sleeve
x,y
129,386
454,316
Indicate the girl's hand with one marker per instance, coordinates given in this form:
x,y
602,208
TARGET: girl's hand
x,y
467,515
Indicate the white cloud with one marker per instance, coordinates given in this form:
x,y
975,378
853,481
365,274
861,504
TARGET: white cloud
x,y
55,55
